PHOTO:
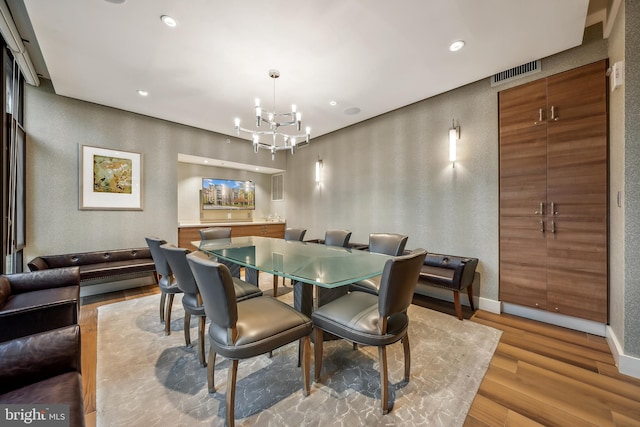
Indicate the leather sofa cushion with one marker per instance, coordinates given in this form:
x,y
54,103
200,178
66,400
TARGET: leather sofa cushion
x,y
32,312
437,275
61,389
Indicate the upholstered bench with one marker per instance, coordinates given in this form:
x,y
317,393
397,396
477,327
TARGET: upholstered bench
x,y
97,266
448,272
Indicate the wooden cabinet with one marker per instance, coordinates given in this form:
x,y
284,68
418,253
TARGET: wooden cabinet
x,y
553,193
186,235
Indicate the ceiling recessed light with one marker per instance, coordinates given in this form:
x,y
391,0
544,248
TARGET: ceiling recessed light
x,y
168,21
333,103
351,111
456,45
142,92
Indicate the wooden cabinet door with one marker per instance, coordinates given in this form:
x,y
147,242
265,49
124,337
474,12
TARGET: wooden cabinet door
x,y
523,193
577,162
523,266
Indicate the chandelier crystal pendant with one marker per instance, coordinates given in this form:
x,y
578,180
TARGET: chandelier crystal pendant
x,y
278,140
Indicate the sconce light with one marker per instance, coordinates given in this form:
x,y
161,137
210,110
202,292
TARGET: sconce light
x,y
318,171
454,135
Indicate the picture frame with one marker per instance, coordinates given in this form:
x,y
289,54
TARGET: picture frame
x,y
110,179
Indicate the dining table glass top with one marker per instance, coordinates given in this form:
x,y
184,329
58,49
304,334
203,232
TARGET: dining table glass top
x,y
313,263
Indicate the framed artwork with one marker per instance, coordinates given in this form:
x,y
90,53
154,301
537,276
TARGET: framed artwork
x,y
110,179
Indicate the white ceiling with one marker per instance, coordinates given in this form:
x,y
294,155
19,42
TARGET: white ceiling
x,y
375,55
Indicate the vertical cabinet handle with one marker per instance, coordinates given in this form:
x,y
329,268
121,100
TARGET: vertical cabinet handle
x,y
553,209
540,210
553,113
539,117
553,226
541,226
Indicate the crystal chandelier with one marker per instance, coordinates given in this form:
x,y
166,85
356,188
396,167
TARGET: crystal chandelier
x,y
275,121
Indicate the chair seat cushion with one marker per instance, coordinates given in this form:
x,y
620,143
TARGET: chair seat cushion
x,y
39,299
61,389
245,290
264,324
191,306
355,317
167,287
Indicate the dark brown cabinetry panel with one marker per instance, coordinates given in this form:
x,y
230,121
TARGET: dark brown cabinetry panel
x,y
553,193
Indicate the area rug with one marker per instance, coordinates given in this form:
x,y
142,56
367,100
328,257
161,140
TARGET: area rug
x,y
145,378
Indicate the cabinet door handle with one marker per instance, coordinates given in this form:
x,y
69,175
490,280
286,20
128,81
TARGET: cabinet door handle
x,y
541,226
553,209
539,122
553,113
540,211
553,226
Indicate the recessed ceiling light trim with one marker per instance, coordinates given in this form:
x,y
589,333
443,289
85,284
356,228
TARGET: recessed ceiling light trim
x,y
456,45
142,92
168,21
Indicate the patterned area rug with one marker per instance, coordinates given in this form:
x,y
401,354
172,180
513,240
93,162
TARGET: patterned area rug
x,y
145,378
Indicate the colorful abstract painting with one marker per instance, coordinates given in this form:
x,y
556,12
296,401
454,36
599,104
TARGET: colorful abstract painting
x,y
112,175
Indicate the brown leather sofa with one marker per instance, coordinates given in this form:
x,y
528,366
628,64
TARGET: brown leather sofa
x,y
38,301
44,368
449,272
99,265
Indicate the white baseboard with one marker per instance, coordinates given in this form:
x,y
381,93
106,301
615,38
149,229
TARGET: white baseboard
x,y
575,323
627,365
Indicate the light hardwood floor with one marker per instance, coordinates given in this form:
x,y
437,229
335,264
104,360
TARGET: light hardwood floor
x,y
539,375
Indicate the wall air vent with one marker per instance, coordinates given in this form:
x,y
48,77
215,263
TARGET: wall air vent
x,y
277,187
516,72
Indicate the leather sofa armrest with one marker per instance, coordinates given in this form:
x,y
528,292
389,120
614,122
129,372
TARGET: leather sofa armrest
x,y
45,279
38,263
463,268
33,358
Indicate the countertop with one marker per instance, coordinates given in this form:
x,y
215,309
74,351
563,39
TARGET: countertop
x,y
226,224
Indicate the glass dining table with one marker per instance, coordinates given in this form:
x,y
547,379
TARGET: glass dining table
x,y
316,264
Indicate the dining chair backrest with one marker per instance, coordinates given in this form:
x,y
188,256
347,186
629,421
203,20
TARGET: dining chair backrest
x,y
177,260
162,267
398,282
212,233
337,238
387,243
216,288
294,234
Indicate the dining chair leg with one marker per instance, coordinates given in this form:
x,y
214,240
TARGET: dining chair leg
x,y
210,371
231,391
384,383
317,346
167,316
163,298
407,357
187,327
305,343
201,327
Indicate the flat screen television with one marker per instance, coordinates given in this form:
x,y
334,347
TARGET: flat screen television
x,y
228,194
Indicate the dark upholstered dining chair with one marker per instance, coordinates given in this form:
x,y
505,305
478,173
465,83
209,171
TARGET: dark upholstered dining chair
x,y
247,328
367,319
192,300
290,234
213,233
166,282
380,243
337,238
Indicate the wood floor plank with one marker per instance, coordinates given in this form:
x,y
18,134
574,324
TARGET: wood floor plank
x,y
486,412
581,399
504,388
594,379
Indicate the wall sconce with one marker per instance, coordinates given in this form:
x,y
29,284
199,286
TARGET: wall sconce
x,y
454,135
318,171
